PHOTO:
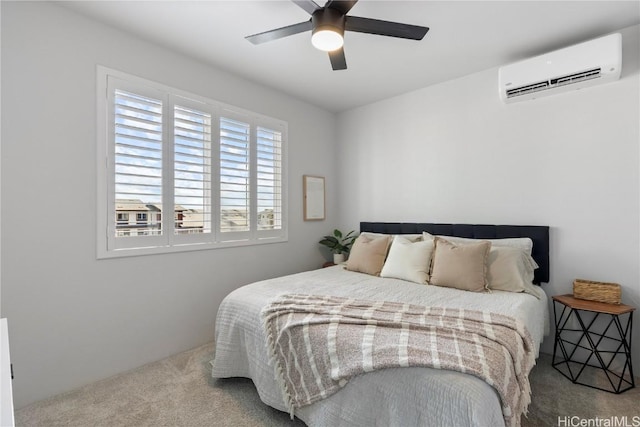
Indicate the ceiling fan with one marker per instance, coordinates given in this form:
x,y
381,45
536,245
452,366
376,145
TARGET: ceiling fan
x,y
328,24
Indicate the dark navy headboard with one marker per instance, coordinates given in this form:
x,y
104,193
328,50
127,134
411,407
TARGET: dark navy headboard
x,y
538,233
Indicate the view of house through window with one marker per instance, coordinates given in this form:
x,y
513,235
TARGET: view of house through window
x,y
219,175
138,163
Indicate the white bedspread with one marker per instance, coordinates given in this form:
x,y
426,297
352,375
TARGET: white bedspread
x,y
390,397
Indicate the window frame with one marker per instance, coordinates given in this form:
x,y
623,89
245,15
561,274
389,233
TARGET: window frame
x,y
110,246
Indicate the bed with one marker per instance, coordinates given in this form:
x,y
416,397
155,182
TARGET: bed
x,y
394,396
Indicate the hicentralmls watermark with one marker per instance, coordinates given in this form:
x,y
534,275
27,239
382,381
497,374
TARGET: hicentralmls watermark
x,y
615,421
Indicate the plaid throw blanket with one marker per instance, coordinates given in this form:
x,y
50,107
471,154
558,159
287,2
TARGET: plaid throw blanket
x,y
317,343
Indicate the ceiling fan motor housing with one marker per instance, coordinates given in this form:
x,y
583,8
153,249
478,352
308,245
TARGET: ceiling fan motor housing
x,y
328,19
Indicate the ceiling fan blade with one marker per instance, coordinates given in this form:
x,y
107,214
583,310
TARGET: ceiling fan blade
x,y
279,33
384,28
341,6
338,61
308,5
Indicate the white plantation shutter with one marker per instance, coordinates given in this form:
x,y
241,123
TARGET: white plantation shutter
x,y
181,172
137,164
192,171
269,179
235,176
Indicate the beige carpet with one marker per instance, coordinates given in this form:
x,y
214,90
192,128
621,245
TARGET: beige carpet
x,y
179,391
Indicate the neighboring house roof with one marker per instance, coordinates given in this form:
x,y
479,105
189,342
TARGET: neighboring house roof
x,y
139,205
158,207
131,205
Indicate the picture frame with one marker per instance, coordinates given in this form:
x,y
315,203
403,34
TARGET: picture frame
x,y
313,198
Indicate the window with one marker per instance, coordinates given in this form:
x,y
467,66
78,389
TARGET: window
x,y
217,171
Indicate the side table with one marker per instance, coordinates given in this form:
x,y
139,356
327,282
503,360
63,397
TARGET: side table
x,y
613,343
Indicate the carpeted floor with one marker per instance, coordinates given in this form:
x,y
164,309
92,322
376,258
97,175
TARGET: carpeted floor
x,y
179,391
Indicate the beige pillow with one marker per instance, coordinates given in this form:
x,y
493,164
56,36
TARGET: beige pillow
x,y
509,269
367,254
408,260
460,266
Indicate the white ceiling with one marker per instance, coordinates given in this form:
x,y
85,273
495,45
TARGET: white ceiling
x,y
464,37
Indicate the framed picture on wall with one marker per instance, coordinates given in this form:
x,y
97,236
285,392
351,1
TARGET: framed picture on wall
x,y
313,197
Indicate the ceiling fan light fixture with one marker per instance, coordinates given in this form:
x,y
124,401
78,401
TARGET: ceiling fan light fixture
x,y
328,24
328,29
327,40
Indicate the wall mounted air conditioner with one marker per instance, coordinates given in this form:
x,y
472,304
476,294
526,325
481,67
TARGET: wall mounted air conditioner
x,y
586,64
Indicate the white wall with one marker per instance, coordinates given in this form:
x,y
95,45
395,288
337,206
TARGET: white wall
x,y
75,319
454,153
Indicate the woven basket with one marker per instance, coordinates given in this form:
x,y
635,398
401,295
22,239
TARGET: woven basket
x,y
597,291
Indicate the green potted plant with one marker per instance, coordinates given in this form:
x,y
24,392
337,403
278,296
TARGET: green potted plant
x,y
339,244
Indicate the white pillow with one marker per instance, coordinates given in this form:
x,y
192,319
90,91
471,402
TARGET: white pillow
x,y
412,237
408,260
509,269
523,243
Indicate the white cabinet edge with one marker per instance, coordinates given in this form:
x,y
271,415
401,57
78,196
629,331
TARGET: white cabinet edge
x,y
6,393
